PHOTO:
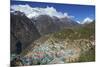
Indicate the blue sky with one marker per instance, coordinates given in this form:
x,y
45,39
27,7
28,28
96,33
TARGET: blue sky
x,y
80,12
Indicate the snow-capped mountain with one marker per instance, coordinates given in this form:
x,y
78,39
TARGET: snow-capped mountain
x,y
87,20
36,11
46,20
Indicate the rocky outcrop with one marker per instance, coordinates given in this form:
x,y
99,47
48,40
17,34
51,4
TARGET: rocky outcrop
x,y
22,30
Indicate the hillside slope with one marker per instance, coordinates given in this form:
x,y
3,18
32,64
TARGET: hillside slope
x,y
22,30
65,46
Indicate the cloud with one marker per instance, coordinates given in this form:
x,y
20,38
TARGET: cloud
x,y
87,20
36,11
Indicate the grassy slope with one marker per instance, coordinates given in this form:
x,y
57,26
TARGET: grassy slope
x,y
76,33
88,56
84,32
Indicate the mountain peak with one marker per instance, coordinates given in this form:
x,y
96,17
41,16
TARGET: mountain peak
x,y
87,20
